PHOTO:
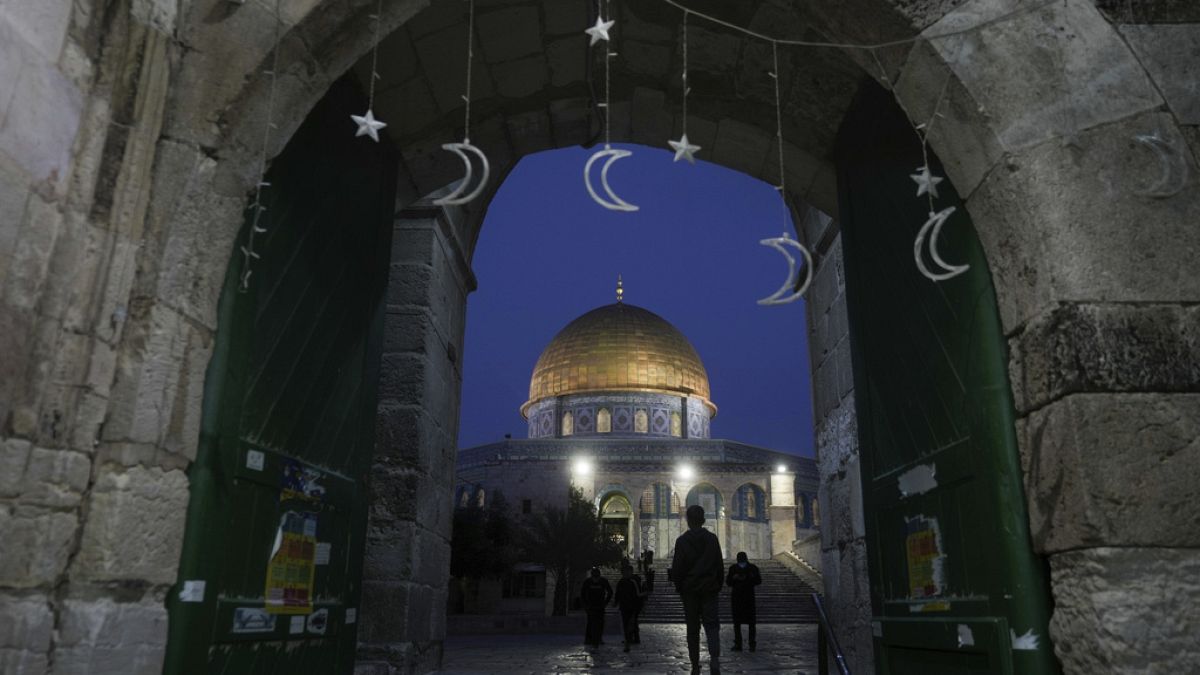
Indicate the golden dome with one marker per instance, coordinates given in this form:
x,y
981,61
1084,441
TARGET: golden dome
x,y
619,347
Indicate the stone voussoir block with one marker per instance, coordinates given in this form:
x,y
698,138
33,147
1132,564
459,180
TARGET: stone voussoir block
x,y
1089,347
105,636
37,545
1085,451
1126,610
134,528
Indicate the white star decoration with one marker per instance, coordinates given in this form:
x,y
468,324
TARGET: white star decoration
x,y
368,125
926,182
684,149
599,31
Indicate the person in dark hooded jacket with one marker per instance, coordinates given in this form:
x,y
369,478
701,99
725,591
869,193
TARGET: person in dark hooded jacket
x,y
742,578
696,571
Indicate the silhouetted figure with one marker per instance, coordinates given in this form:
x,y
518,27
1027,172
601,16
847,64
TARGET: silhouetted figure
x,y
650,580
697,571
647,559
594,594
742,578
629,597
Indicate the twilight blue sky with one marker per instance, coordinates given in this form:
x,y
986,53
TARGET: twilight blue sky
x,y
548,253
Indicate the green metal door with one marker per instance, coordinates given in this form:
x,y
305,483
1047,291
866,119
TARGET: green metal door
x,y
269,579
953,576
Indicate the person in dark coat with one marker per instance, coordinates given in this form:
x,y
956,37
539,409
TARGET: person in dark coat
x,y
594,595
629,598
697,571
742,578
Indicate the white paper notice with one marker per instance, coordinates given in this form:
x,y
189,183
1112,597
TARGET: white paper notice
x,y
193,591
352,615
322,553
254,460
298,623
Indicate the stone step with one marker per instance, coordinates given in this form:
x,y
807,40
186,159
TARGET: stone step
x,y
783,597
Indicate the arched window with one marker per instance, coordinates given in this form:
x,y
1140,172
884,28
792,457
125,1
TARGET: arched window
x,y
659,502
480,498
603,421
816,515
464,498
641,422
676,425
568,424
750,503
709,498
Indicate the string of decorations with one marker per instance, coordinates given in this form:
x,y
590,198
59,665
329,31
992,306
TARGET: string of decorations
x,y
781,244
249,255
925,179
927,182
456,196
367,124
600,33
682,147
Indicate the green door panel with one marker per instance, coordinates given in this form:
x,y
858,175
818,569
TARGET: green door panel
x,y
291,388
947,532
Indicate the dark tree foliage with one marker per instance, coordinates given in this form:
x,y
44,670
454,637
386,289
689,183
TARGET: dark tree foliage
x,y
484,543
568,542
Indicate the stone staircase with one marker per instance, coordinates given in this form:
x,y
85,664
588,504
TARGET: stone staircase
x,y
782,598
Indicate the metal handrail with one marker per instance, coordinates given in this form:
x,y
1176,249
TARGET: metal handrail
x,y
825,637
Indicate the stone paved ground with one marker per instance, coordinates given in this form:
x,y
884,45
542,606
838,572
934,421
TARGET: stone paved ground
x,y
782,648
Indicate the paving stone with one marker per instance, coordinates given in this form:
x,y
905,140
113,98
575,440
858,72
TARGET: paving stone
x,y
782,648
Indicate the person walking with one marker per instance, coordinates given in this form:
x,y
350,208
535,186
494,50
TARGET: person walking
x,y
743,576
697,571
594,595
629,599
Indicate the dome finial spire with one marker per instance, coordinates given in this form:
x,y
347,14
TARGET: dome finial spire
x,y
620,289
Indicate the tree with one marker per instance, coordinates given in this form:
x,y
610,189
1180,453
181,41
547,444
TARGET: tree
x,y
484,542
568,542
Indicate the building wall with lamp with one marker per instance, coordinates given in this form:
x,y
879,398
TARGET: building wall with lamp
x,y
620,408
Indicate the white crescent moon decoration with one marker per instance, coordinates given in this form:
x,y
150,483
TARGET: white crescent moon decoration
x,y
613,202
456,198
785,294
936,221
1174,166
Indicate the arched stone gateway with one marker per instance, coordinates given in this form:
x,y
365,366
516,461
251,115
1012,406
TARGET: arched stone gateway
x,y
131,140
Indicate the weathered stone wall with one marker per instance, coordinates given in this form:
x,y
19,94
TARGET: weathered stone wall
x,y
843,560
408,538
129,131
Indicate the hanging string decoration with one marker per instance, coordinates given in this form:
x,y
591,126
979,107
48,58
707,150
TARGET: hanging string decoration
x,y
927,182
682,147
249,255
367,124
1173,167
610,200
785,294
456,196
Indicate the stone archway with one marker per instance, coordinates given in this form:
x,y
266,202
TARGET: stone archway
x,y
110,359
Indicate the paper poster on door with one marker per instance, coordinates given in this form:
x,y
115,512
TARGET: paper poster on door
x,y
926,573
289,587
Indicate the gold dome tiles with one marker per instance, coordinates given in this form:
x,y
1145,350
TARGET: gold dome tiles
x,y
618,347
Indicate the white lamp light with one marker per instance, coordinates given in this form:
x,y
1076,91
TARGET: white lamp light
x,y
582,467
686,472
782,468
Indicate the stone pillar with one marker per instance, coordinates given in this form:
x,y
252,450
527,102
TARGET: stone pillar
x,y
782,512
407,559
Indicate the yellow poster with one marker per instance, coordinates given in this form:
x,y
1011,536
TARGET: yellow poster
x,y
925,559
293,565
